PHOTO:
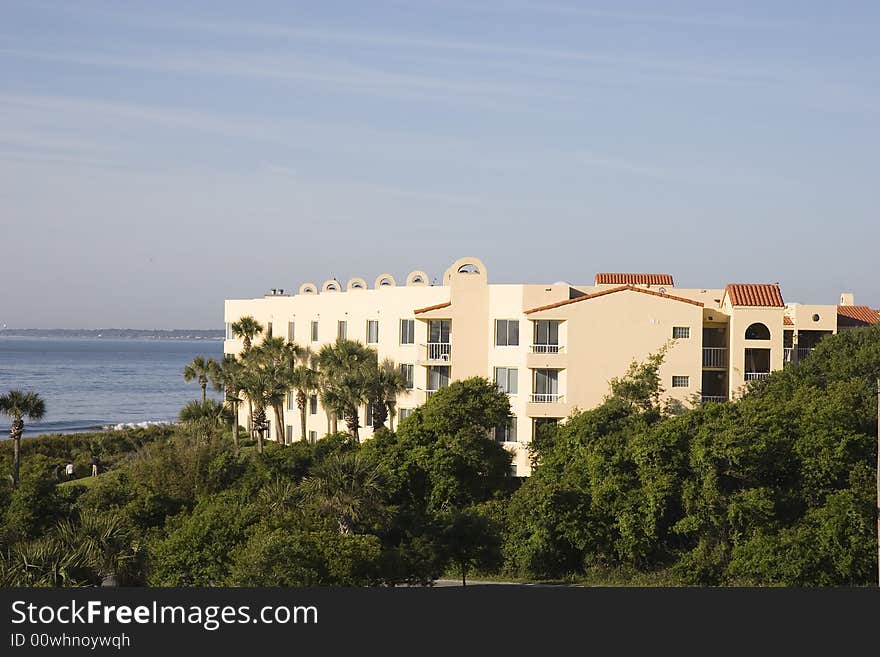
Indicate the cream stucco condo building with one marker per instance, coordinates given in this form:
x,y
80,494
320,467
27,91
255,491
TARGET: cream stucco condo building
x,y
552,348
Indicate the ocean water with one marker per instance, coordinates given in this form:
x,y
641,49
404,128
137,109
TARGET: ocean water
x,y
94,383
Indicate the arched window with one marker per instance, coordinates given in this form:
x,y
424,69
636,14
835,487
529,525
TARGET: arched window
x,y
468,269
757,331
385,282
356,286
417,279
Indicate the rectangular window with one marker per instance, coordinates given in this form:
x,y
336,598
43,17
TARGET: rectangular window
x,y
229,335
368,416
438,377
313,437
681,332
408,373
681,381
341,329
288,433
506,432
268,329
407,331
438,331
507,379
290,332
506,332
372,331
314,331
546,336
404,413
546,386
313,405
291,401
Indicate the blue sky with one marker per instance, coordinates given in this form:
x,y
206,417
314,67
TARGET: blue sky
x,y
158,157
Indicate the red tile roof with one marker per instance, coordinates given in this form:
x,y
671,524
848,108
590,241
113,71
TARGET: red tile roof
x,y
434,307
858,314
751,294
622,288
787,321
634,279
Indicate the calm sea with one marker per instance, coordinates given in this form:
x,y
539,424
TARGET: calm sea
x,y
93,383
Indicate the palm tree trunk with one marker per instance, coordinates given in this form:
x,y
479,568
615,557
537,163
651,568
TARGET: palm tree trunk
x,y
334,423
302,419
15,434
351,421
204,392
279,425
250,422
235,425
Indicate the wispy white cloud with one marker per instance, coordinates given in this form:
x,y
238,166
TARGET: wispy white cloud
x,y
394,190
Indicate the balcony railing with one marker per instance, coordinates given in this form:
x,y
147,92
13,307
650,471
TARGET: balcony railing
x,y
802,352
546,397
547,348
428,394
714,399
439,351
714,356
755,376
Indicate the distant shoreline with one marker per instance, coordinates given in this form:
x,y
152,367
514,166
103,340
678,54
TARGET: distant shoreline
x,y
117,334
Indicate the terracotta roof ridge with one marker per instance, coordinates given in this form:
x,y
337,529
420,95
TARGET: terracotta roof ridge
x,y
436,306
603,293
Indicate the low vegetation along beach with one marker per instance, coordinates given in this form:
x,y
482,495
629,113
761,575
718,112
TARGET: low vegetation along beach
x,y
776,488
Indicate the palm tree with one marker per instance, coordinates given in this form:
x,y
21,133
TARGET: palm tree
x,y
304,380
246,328
277,357
18,404
228,377
196,411
346,486
204,370
388,383
257,384
104,543
348,370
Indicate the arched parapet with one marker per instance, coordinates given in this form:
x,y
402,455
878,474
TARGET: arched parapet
x,y
385,280
417,278
331,286
356,284
469,268
308,288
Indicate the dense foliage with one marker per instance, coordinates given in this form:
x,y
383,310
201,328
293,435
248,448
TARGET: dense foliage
x,y
777,488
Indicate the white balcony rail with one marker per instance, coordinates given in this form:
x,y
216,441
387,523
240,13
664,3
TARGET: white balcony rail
x,y
428,393
802,352
547,348
714,356
439,351
755,376
546,397
716,399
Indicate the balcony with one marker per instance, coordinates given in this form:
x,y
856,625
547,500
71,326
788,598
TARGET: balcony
x,y
546,398
802,352
546,349
541,404
756,376
428,394
546,355
714,399
715,357
438,352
